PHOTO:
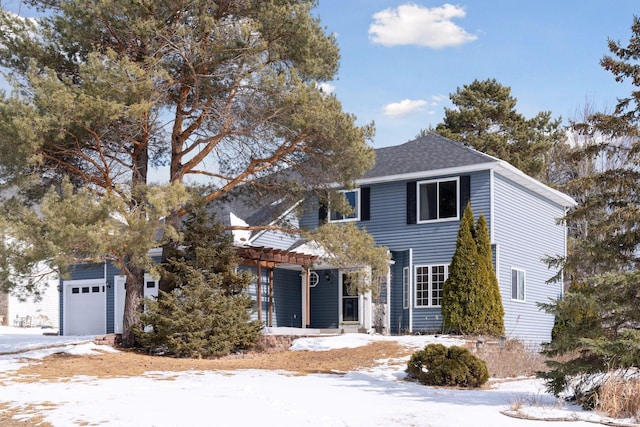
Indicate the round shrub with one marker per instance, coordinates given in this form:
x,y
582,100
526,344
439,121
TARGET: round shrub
x,y
438,365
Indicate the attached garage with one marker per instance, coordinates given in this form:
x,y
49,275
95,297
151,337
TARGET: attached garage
x,y
85,307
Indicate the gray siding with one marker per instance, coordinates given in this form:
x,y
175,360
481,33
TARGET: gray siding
x,y
526,232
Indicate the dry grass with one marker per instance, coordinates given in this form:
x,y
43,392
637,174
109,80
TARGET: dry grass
x,y
21,417
619,398
61,367
511,360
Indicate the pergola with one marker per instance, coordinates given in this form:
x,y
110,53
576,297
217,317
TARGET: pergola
x,y
269,258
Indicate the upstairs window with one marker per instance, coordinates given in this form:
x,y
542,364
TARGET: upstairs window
x,y
353,198
438,200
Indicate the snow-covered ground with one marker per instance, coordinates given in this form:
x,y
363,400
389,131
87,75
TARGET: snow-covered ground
x,y
372,397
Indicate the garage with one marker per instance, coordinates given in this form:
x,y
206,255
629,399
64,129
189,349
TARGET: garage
x,y
85,307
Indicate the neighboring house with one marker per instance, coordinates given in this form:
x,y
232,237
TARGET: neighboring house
x,y
411,202
31,312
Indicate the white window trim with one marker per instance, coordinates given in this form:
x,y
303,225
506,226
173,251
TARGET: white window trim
x,y
524,288
429,284
356,210
438,181
406,283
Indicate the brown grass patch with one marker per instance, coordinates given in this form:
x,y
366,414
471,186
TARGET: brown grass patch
x,y
511,360
61,367
619,398
26,416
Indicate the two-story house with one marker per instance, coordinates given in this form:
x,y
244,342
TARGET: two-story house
x,y
411,202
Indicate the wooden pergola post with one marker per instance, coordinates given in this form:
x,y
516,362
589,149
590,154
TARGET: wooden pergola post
x,y
271,297
307,305
259,292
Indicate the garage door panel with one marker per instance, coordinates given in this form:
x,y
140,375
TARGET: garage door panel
x,y
85,308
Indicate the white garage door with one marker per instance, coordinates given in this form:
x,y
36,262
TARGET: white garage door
x,y
120,286
85,306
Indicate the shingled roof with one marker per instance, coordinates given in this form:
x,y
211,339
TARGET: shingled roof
x,y
428,153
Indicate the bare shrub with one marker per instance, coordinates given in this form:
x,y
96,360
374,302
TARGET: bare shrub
x,y
509,359
619,397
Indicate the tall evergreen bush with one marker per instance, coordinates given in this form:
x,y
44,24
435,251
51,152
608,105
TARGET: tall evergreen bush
x,y
471,302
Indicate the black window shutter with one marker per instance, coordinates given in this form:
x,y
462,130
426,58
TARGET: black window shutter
x,y
411,202
365,203
465,192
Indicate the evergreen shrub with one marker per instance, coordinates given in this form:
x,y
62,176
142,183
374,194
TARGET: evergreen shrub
x,y
437,365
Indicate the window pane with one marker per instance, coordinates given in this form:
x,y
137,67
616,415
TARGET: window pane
x,y
521,285
448,199
514,284
437,280
422,286
428,201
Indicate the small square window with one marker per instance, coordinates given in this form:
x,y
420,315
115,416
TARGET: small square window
x,y
151,284
85,290
75,290
95,289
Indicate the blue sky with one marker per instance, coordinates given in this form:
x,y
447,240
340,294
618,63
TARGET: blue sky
x,y
400,60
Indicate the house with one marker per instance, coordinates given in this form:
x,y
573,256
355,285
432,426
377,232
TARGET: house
x,y
411,202
29,311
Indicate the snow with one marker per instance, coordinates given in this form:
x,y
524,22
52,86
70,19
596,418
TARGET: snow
x,y
372,397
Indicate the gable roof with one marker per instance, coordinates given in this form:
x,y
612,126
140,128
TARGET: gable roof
x,y
428,153
434,155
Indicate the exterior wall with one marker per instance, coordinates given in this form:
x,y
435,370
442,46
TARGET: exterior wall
x,y
432,243
31,312
324,301
287,298
526,232
399,322
277,239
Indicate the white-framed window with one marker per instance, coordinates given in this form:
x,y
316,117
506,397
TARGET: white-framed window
x,y
405,287
353,198
429,281
518,284
438,200
314,279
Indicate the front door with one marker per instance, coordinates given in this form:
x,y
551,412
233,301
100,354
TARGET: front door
x,y
350,300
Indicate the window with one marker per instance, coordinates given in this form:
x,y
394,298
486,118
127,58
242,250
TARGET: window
x,y
517,284
438,200
353,198
349,300
429,282
405,287
313,279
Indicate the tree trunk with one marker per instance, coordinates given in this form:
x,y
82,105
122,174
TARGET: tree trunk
x,y
133,306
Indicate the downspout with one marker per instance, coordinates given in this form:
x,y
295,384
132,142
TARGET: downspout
x,y
410,290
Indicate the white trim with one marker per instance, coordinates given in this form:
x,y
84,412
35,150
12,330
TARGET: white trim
x,y
492,206
458,170
410,289
387,314
524,284
437,182
357,210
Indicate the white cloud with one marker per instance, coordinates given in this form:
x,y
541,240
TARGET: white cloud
x,y
326,88
404,107
412,24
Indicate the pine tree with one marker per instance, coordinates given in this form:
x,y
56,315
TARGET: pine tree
x,y
471,302
486,118
208,312
488,280
459,292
